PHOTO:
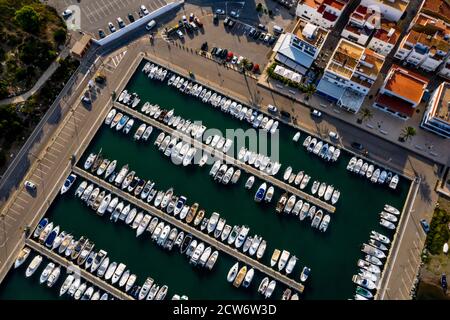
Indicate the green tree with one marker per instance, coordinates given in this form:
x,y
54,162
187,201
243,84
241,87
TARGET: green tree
x,y
60,35
309,90
366,114
28,19
259,7
3,89
408,133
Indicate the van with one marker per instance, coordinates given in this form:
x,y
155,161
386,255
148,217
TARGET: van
x,y
120,22
150,25
277,29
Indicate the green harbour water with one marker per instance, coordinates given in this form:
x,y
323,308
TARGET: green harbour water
x,y
332,256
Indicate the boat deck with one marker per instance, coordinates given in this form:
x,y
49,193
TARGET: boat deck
x,y
189,229
103,285
230,160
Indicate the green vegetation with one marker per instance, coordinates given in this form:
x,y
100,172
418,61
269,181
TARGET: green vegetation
x,y
30,33
309,89
259,7
439,231
366,114
408,133
28,19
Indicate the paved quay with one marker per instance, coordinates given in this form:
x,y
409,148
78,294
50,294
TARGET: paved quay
x,y
195,232
103,285
249,169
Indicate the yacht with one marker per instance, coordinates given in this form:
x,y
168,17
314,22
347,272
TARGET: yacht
x,y
99,258
363,282
66,285
317,218
394,182
204,257
241,236
110,271
68,183
186,243
23,255
46,273
103,267
305,274
118,273
145,288
143,225
54,276
213,220
261,249
322,189
259,196
33,266
256,241
368,249
196,254
388,216
291,264
219,228
232,273
130,282
287,173
290,204
391,209
212,260
283,259
240,277
281,202
380,237
325,222
233,234
270,289
226,232
275,255
387,224
249,183
263,285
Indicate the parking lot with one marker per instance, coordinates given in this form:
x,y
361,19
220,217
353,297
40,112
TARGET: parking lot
x,y
95,14
236,38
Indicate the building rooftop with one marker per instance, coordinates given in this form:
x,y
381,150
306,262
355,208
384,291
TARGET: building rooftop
x,y
442,104
406,84
310,33
396,4
388,32
355,63
395,104
437,8
337,4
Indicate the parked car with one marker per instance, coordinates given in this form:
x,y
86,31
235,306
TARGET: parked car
x,y
333,135
198,22
204,46
180,34
272,40
191,17
252,32
256,35
262,27
234,14
316,113
239,61
193,25
131,17
101,33
144,10
120,22
225,21
425,225
230,23
285,114
224,53
357,146
184,19
266,38
150,25
272,108
262,36
234,60
220,11
277,29
213,51
229,56
29,185
218,52
111,27
215,18
67,13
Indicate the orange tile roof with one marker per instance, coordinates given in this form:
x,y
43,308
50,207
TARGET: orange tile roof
x,y
405,83
395,104
382,33
437,8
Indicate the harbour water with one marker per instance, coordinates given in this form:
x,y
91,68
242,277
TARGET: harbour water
x,y
332,256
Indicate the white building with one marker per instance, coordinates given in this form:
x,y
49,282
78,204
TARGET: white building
x,y
389,9
324,13
437,116
427,43
349,75
360,26
445,69
385,38
299,49
401,93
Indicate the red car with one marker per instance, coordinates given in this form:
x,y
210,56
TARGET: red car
x,y
229,56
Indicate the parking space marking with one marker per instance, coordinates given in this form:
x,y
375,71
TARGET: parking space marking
x,y
25,202
18,205
52,155
53,148
59,144
42,172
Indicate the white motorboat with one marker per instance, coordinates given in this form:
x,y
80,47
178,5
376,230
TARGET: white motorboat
x,y
287,173
46,272
248,278
283,259
291,264
290,204
305,274
118,273
241,236
296,136
391,209
22,256
33,266
269,194
249,183
325,222
233,272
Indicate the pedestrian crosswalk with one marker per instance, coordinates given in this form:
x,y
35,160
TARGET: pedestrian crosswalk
x,y
114,61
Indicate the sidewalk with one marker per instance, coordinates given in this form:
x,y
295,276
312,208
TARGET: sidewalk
x,y
38,85
381,124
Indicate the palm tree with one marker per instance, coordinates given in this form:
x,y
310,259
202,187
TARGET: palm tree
x,y
309,90
366,114
408,133
113,96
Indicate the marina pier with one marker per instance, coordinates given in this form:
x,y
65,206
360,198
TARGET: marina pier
x,y
189,229
103,285
243,166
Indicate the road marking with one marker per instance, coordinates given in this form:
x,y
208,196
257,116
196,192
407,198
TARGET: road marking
x,y
18,205
59,144
40,170
50,154
20,199
55,149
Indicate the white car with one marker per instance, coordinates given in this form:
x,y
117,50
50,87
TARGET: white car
x,y
234,14
30,185
333,135
144,10
111,27
67,13
240,60
316,113
220,11
180,34
234,60
272,108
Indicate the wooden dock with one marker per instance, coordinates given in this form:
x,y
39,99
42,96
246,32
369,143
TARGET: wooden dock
x,y
230,160
96,281
189,229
